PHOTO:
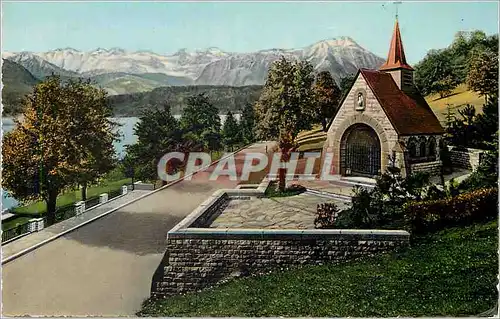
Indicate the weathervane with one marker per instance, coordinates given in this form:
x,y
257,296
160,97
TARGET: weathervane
x,y
396,3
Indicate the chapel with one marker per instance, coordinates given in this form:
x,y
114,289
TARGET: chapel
x,y
384,121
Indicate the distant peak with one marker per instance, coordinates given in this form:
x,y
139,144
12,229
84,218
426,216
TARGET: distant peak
x,y
181,51
342,41
112,50
66,49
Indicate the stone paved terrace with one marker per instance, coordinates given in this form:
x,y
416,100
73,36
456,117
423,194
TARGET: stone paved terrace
x,y
292,212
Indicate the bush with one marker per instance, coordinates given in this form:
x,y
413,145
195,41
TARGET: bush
x,y
326,214
382,207
292,190
463,209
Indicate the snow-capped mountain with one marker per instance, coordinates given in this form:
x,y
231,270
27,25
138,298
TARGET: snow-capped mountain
x,y
212,66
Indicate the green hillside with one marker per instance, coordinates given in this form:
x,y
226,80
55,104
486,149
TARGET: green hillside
x,y
450,273
459,97
17,82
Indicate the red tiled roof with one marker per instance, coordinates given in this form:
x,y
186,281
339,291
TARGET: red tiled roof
x,y
409,115
396,58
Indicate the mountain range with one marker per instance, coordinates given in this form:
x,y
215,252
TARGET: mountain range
x,y
121,72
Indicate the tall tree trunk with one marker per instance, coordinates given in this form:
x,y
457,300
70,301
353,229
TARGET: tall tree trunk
x,y
51,207
84,191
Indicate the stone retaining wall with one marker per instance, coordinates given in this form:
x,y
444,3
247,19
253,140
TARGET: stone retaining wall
x,y
433,168
200,258
465,158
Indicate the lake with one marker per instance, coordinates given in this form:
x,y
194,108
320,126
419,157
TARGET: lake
x,y
127,137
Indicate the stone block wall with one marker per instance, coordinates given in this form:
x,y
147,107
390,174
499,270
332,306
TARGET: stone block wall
x,y
433,168
465,158
200,258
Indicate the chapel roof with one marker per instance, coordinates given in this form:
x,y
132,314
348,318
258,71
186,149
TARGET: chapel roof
x,y
409,113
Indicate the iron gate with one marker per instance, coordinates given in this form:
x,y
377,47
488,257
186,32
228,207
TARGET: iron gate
x,y
361,159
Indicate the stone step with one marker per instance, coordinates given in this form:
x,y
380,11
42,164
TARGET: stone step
x,y
329,195
351,183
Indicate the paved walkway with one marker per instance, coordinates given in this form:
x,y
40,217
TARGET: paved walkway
x,y
292,212
105,268
32,239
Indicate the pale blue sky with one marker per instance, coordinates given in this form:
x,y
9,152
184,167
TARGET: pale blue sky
x,y
165,27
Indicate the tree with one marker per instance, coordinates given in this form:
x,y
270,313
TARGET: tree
x,y
247,124
230,131
435,73
158,133
486,123
346,83
65,139
327,97
200,119
482,76
285,106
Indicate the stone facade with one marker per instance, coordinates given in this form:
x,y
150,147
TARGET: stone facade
x,y
469,158
373,115
201,258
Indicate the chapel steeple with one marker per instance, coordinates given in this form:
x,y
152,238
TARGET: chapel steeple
x,y
396,64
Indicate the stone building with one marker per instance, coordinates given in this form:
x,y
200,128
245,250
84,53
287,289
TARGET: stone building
x,y
384,121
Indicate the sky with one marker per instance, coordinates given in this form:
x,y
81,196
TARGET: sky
x,y
165,27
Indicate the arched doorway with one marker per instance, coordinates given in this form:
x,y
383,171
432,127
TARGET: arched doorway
x,y
360,151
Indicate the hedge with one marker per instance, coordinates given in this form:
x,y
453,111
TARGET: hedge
x,y
462,209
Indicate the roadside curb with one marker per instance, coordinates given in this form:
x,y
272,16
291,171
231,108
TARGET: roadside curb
x,y
48,240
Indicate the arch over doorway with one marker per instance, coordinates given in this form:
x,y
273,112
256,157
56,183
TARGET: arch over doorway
x,y
360,151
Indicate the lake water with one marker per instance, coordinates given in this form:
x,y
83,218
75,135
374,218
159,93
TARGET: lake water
x,y
127,137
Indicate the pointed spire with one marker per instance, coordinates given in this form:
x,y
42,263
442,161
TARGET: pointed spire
x,y
396,58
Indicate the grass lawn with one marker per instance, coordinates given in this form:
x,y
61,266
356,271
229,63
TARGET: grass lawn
x,y
450,273
14,222
69,197
459,97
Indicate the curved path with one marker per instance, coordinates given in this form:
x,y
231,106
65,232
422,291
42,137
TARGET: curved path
x,y
105,268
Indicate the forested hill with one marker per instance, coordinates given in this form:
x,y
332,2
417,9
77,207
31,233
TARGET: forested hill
x,y
443,70
223,97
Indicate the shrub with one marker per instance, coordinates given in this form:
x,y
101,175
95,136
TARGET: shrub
x,y
326,214
382,207
465,208
292,190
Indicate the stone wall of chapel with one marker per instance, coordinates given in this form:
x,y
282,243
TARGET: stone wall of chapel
x,y
373,115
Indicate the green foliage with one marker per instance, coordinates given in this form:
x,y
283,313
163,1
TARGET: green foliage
x,y
231,133
65,139
463,209
247,124
286,103
326,214
474,130
447,274
482,76
435,73
327,95
273,191
382,207
346,83
442,70
201,120
158,133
